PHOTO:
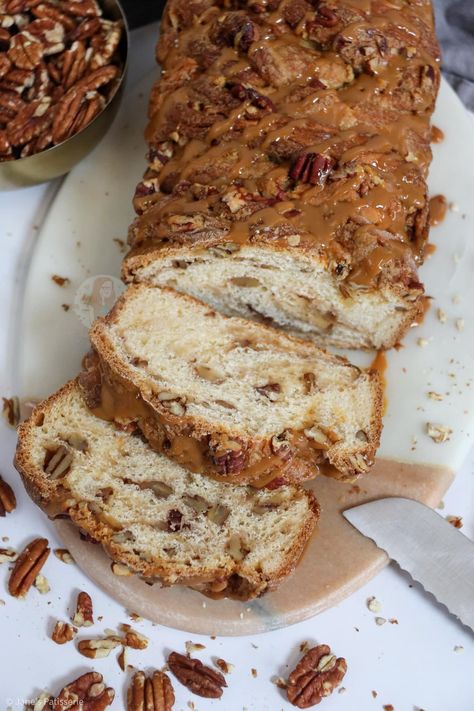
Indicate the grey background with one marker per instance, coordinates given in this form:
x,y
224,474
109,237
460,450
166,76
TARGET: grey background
x,y
455,26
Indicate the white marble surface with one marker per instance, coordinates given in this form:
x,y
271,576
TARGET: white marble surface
x,y
411,665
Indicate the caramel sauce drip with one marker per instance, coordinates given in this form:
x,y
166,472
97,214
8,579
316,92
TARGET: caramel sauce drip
x,y
379,149
127,406
437,135
438,209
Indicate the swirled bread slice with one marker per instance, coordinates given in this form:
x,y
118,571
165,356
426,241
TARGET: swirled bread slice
x,y
167,524
228,397
286,287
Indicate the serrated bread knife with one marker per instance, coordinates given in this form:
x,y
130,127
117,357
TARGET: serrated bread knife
x,y
424,544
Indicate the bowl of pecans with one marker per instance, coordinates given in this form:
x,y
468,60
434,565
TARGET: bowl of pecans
x,y
62,67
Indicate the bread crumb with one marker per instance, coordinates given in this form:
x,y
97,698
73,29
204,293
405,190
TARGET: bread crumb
x,y
456,299
455,521
458,649
380,621
459,323
435,396
454,207
441,315
278,680
438,433
65,307
41,584
194,647
373,604
422,342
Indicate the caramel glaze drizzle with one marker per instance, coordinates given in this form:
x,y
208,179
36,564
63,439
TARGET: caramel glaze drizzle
x,y
304,457
245,93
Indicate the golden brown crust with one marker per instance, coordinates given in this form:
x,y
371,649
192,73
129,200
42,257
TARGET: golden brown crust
x,y
51,496
260,461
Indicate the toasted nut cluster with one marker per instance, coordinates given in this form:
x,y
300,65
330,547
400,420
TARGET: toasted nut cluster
x,y
27,567
197,677
316,675
154,693
7,498
59,64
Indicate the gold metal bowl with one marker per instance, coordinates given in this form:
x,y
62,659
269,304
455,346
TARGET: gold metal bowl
x,y
59,159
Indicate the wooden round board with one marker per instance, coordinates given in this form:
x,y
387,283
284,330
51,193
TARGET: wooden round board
x,y
81,237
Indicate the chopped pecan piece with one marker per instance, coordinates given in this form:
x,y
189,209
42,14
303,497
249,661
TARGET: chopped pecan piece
x,y
325,16
11,410
197,677
7,498
57,462
248,93
97,648
316,675
312,168
174,521
154,693
133,639
27,567
87,693
63,632
270,391
83,617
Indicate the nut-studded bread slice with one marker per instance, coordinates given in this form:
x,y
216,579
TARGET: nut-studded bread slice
x,y
286,287
231,398
167,524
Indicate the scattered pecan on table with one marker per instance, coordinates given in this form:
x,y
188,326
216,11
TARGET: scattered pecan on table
x,y
315,676
153,693
197,677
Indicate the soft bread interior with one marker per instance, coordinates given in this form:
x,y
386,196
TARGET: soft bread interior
x,y
294,292
124,492
227,372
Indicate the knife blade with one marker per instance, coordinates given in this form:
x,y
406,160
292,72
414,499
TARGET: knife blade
x,y
424,544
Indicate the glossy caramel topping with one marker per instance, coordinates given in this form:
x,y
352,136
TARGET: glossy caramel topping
x,y
438,209
288,118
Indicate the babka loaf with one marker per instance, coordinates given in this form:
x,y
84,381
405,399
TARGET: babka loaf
x,y
165,523
289,146
227,397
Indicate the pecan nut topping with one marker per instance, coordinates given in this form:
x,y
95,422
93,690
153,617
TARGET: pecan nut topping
x,y
316,675
27,567
154,693
312,168
197,677
7,498
87,693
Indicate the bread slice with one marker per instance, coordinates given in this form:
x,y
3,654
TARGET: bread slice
x,y
167,524
289,288
231,398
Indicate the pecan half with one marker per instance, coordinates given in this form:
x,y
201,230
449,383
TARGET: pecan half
x,y
154,693
312,168
87,693
197,677
63,632
227,455
325,16
83,616
244,93
25,51
27,567
7,498
316,675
